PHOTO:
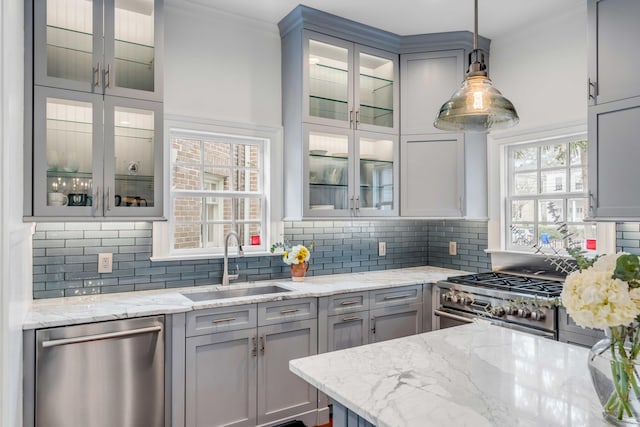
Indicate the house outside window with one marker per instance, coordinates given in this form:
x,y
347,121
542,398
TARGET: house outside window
x,y
547,196
216,185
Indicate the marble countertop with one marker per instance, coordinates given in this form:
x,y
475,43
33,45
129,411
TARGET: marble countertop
x,y
94,308
473,375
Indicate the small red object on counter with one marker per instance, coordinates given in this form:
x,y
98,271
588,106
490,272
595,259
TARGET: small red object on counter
x,y
591,244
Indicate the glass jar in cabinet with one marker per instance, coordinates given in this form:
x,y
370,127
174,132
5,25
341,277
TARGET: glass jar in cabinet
x,y
111,47
348,85
95,157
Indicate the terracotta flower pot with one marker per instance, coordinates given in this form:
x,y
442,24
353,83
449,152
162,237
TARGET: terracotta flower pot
x,y
298,271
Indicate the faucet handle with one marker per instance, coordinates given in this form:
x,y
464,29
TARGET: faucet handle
x,y
240,251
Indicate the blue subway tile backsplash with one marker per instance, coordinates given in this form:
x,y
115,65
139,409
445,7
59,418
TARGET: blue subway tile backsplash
x,y
65,254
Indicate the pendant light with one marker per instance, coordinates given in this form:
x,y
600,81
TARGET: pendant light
x,y
477,106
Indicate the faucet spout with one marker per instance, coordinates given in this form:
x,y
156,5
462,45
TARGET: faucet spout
x,y
225,274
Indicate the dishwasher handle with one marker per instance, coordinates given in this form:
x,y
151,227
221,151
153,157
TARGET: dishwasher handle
x,y
98,337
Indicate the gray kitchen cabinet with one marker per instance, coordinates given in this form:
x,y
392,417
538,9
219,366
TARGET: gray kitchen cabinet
x,y
101,46
345,173
428,80
395,313
570,332
432,175
220,373
347,330
342,97
614,110
281,394
613,36
347,320
346,84
236,364
95,157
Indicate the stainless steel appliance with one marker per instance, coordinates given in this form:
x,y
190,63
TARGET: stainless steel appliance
x,y
101,374
518,302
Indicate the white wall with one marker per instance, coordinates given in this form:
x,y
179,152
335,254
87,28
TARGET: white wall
x,y
15,236
221,67
542,69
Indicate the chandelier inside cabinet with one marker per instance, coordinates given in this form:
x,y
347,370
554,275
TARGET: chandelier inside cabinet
x,y
477,106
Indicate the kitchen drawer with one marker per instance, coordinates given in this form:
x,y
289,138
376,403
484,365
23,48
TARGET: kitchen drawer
x,y
221,319
348,303
395,296
270,313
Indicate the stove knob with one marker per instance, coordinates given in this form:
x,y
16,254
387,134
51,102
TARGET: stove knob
x,y
456,298
447,297
498,311
512,310
538,315
524,312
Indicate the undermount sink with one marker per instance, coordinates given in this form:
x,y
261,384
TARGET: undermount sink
x,y
235,293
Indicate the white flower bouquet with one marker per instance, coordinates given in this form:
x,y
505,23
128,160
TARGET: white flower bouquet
x,y
605,294
297,254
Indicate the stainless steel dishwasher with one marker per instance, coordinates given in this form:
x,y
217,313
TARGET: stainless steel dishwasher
x,y
101,374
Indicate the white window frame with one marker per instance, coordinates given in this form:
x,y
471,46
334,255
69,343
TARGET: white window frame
x,y
498,183
564,196
271,142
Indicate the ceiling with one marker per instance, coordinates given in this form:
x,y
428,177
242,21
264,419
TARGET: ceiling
x,y
404,17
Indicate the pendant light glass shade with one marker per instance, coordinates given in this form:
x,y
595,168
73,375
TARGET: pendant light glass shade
x,y
477,106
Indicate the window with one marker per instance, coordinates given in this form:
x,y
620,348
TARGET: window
x,y
217,184
547,198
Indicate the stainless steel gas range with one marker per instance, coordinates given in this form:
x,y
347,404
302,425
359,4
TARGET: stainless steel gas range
x,y
525,303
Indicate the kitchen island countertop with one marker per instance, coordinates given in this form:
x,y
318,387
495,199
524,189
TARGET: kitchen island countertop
x,y
95,308
473,375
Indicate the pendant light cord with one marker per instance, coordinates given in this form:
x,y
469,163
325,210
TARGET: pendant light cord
x,y
475,26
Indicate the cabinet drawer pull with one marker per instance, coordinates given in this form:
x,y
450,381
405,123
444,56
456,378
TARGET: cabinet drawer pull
x,y
293,310
351,319
226,319
350,302
390,297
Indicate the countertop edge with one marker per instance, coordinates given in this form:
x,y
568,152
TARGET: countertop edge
x,y
56,312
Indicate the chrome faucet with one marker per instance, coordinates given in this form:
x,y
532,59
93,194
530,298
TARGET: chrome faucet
x,y
225,275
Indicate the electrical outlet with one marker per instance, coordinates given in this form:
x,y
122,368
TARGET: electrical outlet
x,y
382,248
105,263
453,248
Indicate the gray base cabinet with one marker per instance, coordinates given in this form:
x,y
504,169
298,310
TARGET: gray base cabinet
x,y
571,333
390,323
236,364
221,379
347,330
281,393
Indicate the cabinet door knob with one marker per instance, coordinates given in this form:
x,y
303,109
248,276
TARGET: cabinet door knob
x,y
254,346
357,119
351,119
262,344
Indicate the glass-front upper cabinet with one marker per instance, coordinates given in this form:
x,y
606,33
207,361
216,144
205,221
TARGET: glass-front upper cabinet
x,y
95,158
350,173
102,46
377,174
133,161
349,85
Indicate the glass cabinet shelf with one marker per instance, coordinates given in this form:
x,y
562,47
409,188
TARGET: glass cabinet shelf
x,y
88,175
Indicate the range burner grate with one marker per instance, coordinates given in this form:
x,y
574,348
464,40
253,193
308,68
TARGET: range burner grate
x,y
510,282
